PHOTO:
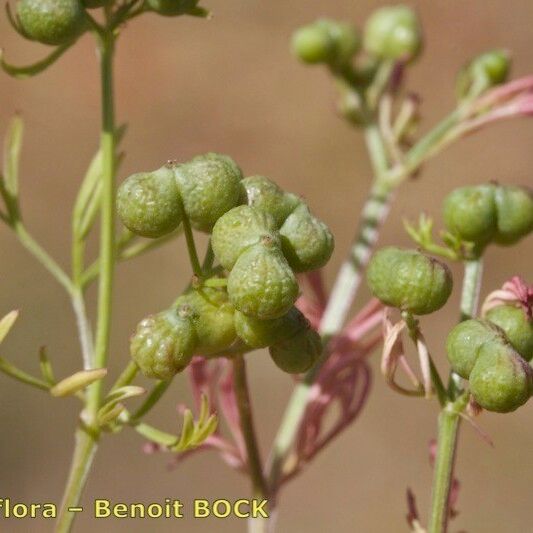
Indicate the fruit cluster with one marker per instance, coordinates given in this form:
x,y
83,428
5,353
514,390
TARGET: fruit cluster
x,y
261,237
489,355
490,213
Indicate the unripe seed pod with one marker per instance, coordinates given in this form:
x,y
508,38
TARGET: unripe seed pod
x,y
393,32
409,280
163,344
346,40
149,203
238,229
501,381
257,333
514,207
52,22
306,241
470,213
465,340
484,71
212,316
313,44
261,284
298,353
261,193
210,186
516,325
170,8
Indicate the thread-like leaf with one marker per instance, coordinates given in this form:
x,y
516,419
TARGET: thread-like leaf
x,y
28,71
77,382
12,148
46,366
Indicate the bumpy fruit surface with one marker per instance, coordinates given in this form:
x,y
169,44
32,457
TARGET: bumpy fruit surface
x,y
486,70
465,341
149,203
501,381
238,229
170,8
261,193
514,207
393,32
53,22
210,186
261,284
470,213
409,280
212,317
517,328
163,344
298,353
257,333
306,241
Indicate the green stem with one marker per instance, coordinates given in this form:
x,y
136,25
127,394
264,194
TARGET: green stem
x,y
471,287
126,377
191,246
259,486
449,421
20,375
85,450
153,398
374,213
107,230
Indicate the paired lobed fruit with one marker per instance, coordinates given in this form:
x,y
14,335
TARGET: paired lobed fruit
x,y
409,280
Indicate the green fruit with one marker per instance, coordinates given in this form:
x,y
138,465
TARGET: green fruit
x,y
306,241
257,333
347,41
261,284
514,207
470,213
163,344
53,22
517,328
465,341
298,353
212,316
170,8
409,280
313,44
393,32
210,186
485,71
149,203
238,229
261,193
501,380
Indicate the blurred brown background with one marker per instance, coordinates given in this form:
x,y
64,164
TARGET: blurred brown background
x,y
187,86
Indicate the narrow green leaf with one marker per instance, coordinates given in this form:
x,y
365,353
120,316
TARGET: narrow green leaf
x,y
207,429
12,148
109,413
27,71
46,366
7,323
77,382
123,393
187,430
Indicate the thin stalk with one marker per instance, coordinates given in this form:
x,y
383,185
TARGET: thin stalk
x,y
87,437
471,287
449,421
20,375
259,486
191,246
107,231
348,280
85,450
84,327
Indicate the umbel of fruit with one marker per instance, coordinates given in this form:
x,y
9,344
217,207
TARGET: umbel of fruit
x,y
163,344
500,379
326,41
517,326
489,213
149,203
212,316
209,186
393,32
52,22
409,280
